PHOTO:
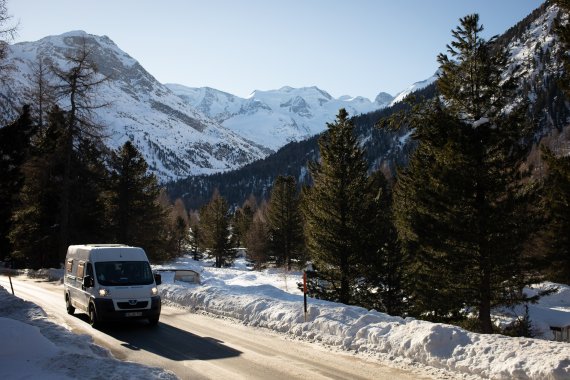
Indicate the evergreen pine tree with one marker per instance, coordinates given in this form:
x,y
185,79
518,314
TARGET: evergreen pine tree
x,y
333,210
134,215
179,228
284,221
461,206
86,203
37,217
424,198
15,144
556,202
194,237
214,230
242,219
35,221
382,266
257,239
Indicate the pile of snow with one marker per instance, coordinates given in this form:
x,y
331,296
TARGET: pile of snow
x,y
35,348
271,299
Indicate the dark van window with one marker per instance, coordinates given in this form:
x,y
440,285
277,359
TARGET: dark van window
x,y
122,273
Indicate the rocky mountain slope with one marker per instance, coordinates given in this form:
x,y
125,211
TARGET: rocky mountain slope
x,y
180,131
175,139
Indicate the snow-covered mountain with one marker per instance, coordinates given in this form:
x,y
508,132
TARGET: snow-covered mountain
x,y
534,53
275,117
175,139
413,88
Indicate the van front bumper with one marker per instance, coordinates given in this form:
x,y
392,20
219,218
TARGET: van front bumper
x,y
105,310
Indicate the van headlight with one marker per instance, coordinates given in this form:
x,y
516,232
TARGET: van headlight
x,y
154,291
103,292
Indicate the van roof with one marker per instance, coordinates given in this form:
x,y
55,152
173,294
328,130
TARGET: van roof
x,y
106,245
106,252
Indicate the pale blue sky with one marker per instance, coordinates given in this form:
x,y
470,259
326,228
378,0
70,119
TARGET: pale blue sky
x,y
355,47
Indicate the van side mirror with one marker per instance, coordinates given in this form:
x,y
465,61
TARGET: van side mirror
x,y
88,282
157,278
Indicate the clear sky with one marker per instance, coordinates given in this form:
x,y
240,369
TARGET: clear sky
x,y
354,47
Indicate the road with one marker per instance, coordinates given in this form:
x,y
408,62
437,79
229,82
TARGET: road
x,y
197,346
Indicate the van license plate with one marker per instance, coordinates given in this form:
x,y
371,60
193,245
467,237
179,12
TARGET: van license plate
x,y
134,314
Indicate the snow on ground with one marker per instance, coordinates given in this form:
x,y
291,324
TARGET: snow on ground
x,y
271,299
35,348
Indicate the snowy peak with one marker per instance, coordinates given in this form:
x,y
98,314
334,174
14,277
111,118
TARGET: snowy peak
x,y
273,118
383,99
175,138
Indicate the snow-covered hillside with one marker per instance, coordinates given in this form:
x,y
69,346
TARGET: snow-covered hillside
x,y
174,138
413,88
275,117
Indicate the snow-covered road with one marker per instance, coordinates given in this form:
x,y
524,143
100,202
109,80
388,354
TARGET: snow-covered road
x,y
197,346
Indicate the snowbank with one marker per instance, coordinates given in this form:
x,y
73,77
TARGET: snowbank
x,y
35,348
271,300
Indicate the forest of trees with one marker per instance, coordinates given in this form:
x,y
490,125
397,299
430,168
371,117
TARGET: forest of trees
x,y
60,184
461,228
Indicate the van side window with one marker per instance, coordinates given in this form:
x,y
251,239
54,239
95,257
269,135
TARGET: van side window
x,y
80,269
69,265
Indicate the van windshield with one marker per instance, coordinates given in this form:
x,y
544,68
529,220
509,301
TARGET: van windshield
x,y
123,273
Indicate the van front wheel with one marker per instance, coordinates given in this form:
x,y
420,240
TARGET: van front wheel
x,y
153,321
93,321
70,309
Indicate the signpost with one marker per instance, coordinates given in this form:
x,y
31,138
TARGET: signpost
x,y
305,293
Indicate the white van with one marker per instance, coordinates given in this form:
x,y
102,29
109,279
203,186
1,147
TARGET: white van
x,y
111,282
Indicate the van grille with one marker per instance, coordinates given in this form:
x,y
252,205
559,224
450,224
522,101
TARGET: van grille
x,y
138,305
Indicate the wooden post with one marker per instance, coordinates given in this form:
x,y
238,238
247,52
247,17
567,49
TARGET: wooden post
x,y
10,278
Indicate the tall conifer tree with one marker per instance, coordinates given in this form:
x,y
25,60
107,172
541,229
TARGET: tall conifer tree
x,y
334,212
133,213
35,222
382,266
214,230
460,205
15,146
285,225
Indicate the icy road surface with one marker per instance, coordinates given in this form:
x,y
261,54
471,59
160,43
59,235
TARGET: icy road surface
x,y
197,346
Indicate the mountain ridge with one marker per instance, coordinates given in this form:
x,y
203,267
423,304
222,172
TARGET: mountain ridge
x,y
534,52
295,114
177,138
